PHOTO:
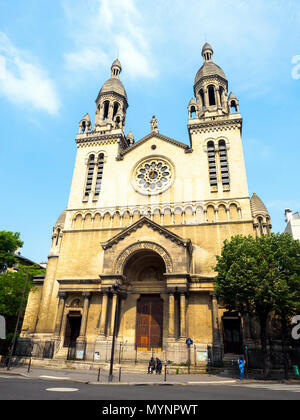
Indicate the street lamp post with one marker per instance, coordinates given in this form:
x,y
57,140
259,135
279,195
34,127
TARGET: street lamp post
x,y
116,288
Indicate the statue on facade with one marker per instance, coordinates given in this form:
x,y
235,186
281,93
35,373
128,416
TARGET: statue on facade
x,y
154,125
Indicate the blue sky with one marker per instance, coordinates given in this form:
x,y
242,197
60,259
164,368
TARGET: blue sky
x,y
55,56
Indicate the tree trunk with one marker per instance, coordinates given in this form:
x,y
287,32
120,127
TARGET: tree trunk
x,y
265,350
284,344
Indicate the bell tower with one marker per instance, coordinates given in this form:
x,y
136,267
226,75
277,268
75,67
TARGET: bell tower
x,y
215,128
111,103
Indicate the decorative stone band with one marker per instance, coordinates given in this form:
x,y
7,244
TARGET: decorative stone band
x,y
215,125
123,257
96,139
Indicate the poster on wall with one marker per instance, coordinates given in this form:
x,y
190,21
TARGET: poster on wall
x,y
79,354
202,356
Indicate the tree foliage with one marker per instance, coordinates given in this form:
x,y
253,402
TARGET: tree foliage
x,y
9,243
12,285
260,276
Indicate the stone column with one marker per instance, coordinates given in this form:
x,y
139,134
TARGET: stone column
x,y
218,99
206,100
103,314
171,316
113,313
217,356
60,312
214,313
84,318
182,315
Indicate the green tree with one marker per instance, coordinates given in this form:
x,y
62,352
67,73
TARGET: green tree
x,y
260,276
12,286
9,243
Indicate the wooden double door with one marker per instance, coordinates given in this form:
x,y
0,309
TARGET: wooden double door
x,y
149,328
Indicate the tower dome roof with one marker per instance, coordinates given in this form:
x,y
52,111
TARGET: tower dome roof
x,y
61,220
209,68
257,206
114,85
206,47
116,63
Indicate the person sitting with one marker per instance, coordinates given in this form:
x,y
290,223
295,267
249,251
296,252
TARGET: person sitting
x,y
151,365
158,366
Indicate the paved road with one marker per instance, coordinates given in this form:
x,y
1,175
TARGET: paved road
x,y
21,388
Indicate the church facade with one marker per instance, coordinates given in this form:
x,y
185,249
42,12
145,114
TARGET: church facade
x,y
135,248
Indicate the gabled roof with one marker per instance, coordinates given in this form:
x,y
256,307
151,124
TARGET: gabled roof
x,y
156,227
151,136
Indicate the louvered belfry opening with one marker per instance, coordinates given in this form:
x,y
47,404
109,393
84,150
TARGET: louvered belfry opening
x,y
212,164
224,162
89,181
99,174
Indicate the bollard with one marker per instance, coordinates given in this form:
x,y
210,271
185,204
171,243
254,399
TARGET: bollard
x,y
99,371
120,375
29,365
165,372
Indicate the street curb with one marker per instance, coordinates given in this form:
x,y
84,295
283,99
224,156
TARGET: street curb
x,y
14,374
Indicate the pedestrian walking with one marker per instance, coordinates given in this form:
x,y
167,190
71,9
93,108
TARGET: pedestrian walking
x,y
158,366
151,366
241,365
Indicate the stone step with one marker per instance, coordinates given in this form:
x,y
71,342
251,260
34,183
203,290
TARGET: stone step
x,y
62,353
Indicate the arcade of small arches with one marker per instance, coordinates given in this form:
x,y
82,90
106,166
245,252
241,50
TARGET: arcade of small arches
x,y
262,225
111,110
177,215
212,94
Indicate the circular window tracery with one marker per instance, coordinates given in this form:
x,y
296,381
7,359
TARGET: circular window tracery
x,y
153,175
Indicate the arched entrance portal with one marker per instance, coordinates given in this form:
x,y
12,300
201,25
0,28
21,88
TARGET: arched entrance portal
x,y
145,270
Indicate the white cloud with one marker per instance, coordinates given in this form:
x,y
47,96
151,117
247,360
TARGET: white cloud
x,y
23,81
109,29
167,35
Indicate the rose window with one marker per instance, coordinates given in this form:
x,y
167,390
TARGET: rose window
x,y
153,176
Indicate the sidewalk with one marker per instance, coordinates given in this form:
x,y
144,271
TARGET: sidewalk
x,y
127,378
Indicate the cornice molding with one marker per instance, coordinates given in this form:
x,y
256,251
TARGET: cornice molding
x,y
186,243
151,136
97,139
215,125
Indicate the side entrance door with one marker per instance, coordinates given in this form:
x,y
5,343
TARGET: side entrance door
x,y
149,328
72,328
232,335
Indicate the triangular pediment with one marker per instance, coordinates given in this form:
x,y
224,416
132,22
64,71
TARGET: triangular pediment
x,y
151,136
152,225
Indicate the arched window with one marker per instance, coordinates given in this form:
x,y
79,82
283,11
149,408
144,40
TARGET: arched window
x,y
233,106
106,110
224,162
99,174
211,95
89,181
193,112
212,163
260,224
57,236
